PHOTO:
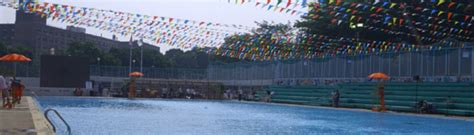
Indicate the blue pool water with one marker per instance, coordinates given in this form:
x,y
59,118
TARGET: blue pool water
x,y
112,116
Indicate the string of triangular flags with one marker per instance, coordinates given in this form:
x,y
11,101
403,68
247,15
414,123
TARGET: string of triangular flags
x,y
272,6
341,15
285,3
161,30
309,46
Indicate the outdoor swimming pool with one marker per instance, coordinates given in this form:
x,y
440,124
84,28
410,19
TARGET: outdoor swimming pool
x,y
94,116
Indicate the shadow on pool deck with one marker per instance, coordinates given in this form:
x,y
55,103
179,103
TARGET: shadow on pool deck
x,y
24,119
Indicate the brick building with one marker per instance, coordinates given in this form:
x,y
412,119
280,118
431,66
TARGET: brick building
x,y
32,31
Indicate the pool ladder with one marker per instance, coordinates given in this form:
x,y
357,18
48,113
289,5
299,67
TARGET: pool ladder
x,y
60,117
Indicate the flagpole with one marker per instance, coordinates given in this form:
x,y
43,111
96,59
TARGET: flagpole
x,y
130,60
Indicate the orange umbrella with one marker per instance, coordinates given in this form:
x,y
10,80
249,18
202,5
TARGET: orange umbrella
x,y
379,76
15,58
136,74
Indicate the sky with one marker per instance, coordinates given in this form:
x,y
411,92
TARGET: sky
x,y
217,11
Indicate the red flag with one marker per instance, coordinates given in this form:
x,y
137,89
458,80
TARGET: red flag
x,y
288,4
451,4
379,10
268,1
338,2
449,15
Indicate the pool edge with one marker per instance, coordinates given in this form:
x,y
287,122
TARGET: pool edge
x,y
42,126
450,117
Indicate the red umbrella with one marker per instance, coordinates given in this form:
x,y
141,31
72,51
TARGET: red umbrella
x,y
15,58
136,74
379,75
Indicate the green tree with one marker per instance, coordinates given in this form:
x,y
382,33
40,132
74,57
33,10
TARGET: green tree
x,y
20,49
3,49
85,49
174,56
122,55
110,60
202,58
154,58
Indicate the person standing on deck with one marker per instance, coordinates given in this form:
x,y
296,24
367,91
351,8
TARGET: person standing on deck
x,y
17,91
5,94
125,89
164,92
381,95
241,93
132,89
180,93
335,98
188,93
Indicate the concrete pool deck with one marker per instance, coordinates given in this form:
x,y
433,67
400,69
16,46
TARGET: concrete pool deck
x,y
25,119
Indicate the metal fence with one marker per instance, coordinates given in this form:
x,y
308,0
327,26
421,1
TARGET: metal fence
x,y
33,70
431,65
165,73
453,62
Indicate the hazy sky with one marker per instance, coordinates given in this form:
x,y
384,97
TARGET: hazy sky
x,y
217,11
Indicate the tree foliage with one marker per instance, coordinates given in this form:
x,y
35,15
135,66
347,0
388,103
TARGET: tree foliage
x,y
175,58
324,25
20,49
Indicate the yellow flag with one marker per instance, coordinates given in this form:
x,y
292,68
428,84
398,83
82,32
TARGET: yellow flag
x,y
440,12
393,5
441,2
372,8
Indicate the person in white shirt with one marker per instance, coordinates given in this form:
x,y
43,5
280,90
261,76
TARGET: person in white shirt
x,y
188,93
4,91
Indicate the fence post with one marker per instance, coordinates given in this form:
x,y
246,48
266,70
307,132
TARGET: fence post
x,y
459,62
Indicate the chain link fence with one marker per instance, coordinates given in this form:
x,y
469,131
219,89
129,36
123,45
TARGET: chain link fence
x,y
437,65
33,70
431,65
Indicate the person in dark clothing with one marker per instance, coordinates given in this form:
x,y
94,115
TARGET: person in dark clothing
x,y
335,98
427,107
240,94
125,89
269,93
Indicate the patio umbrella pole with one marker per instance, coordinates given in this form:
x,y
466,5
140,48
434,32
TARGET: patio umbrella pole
x,y
14,70
416,93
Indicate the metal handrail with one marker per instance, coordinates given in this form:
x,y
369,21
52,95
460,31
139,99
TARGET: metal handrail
x,y
60,117
34,94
